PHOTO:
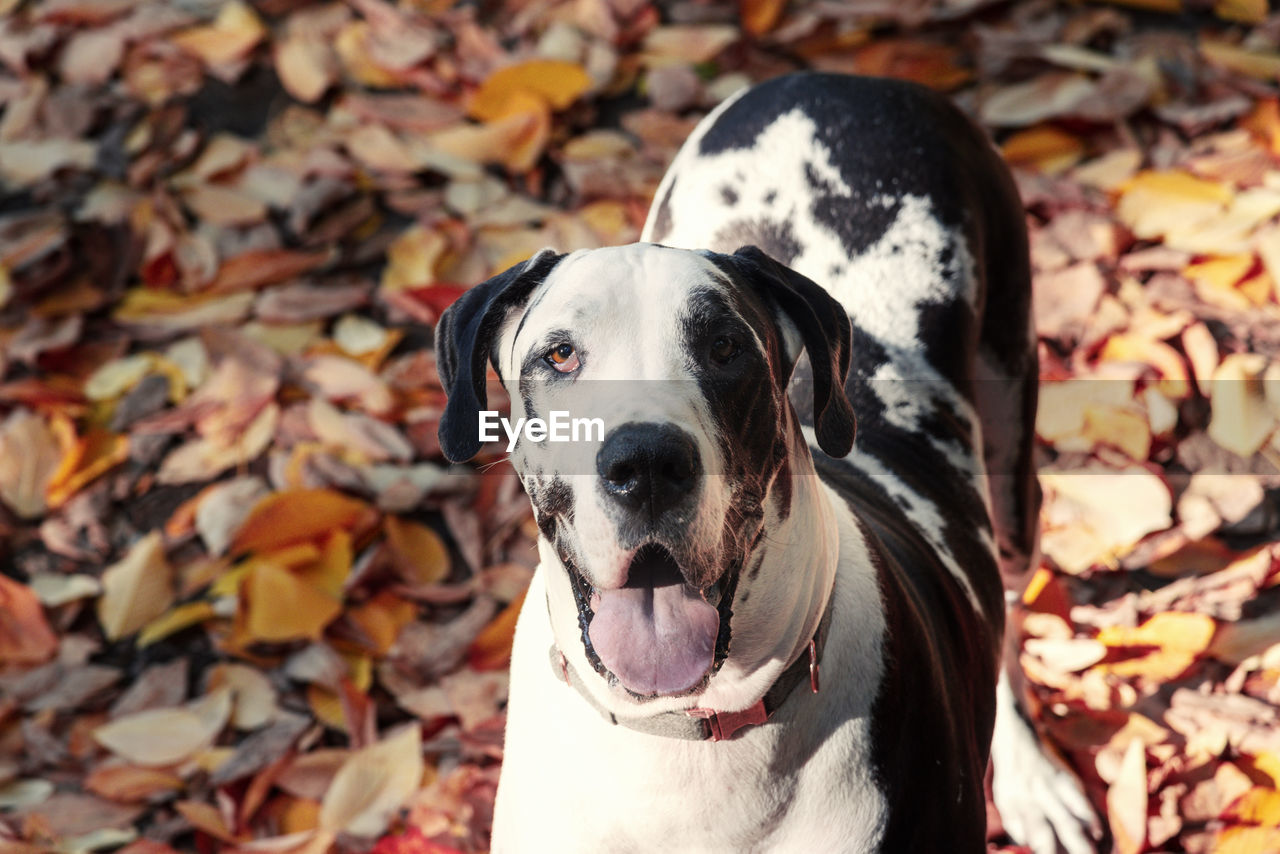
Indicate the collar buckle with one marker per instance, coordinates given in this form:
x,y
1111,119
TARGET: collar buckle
x,y
725,724
813,665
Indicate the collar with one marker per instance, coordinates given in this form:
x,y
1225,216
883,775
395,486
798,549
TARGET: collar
x,y
699,724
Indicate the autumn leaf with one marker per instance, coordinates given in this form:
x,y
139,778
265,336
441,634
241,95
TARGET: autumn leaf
x,y
25,635
417,552
373,783
137,589
280,606
556,82
158,737
285,518
491,650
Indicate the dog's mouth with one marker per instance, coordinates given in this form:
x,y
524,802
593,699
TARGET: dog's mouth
x,y
656,636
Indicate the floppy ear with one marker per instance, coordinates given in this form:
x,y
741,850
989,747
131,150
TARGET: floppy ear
x,y
826,333
464,337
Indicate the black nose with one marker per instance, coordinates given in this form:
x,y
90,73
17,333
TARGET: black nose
x,y
648,466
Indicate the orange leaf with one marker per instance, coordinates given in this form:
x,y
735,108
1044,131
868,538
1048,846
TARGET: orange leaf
x,y
1046,147
100,451
131,783
206,818
491,650
1247,840
760,16
261,267
382,618
25,636
285,518
417,551
1256,806
1172,630
282,607
556,82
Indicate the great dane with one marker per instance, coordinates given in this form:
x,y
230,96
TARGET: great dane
x,y
748,631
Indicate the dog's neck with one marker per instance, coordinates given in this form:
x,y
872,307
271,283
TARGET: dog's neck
x,y
785,586
787,583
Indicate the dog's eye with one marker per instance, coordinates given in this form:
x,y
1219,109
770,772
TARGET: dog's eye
x,y
724,349
563,358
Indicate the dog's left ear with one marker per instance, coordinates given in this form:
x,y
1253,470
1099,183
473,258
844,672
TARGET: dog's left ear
x,y
826,333
464,339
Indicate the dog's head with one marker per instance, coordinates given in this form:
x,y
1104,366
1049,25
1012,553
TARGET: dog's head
x,y
684,358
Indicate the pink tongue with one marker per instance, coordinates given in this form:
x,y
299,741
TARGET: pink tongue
x,y
656,640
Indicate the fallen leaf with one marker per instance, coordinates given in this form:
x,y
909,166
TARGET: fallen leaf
x,y
137,589
1127,801
25,635
285,518
158,737
373,783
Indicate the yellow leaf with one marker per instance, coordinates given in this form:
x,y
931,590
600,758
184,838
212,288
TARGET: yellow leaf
x,y
373,783
1247,11
1256,806
1172,630
417,552
1153,203
330,569
229,38
286,518
282,607
556,82
174,621
137,589
1262,65
1119,428
1241,421
1046,147
382,618
1223,273
1247,840
491,650
100,451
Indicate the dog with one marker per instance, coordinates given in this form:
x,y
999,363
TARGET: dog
x,y
769,611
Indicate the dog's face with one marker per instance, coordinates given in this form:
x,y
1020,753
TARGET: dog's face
x,y
682,358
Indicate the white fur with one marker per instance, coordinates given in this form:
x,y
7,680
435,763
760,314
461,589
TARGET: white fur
x,y
572,782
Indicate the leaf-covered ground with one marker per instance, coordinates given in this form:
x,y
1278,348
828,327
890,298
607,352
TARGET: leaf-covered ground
x,y
243,604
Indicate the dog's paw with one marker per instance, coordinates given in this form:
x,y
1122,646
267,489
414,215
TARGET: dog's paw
x,y
1041,804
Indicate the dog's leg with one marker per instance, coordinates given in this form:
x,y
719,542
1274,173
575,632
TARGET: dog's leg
x,y
1041,802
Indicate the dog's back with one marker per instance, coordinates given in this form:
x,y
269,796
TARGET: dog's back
x,y
885,194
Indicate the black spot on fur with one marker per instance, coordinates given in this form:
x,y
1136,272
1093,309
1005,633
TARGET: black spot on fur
x,y
774,237
729,195
770,196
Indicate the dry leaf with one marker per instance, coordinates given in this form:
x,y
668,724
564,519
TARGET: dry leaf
x,y
373,783
137,589
25,636
1127,801
158,737
286,518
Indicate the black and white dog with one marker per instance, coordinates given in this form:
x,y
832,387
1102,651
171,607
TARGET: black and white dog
x,y
775,638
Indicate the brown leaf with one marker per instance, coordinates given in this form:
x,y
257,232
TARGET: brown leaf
x,y
137,589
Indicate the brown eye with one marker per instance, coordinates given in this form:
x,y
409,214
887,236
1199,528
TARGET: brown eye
x,y
563,358
724,349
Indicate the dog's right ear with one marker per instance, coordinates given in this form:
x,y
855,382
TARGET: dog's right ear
x,y
464,338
